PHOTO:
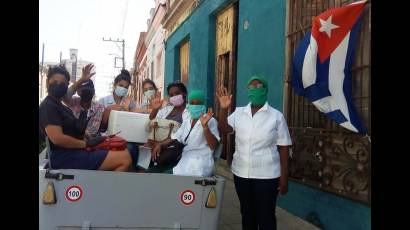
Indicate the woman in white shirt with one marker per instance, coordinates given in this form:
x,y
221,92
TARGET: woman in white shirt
x,y
118,100
200,136
260,161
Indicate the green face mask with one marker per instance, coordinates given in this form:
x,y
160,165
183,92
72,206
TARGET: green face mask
x,y
258,96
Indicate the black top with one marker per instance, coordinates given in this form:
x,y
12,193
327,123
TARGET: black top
x,y
53,112
176,117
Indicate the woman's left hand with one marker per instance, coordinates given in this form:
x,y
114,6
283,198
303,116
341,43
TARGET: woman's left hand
x,y
205,118
156,102
283,186
86,73
155,151
127,103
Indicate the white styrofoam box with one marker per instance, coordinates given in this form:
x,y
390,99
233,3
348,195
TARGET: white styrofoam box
x,y
133,127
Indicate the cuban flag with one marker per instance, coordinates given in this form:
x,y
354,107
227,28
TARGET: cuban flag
x,y
322,64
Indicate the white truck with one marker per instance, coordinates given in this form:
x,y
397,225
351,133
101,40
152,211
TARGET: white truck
x,y
88,199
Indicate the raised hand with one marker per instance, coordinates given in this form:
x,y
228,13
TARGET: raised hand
x,y
205,118
86,73
156,102
224,98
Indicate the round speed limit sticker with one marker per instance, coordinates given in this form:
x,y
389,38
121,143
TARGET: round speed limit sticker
x,y
187,197
73,193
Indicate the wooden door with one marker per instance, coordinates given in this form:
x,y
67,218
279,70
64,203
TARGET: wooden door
x,y
225,65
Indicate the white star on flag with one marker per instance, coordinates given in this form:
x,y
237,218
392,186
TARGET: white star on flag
x,y
327,26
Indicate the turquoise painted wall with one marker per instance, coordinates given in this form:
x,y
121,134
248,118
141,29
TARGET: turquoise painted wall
x,y
261,50
325,210
261,47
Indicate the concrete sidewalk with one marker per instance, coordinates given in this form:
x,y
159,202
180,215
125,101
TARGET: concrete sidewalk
x,y
231,215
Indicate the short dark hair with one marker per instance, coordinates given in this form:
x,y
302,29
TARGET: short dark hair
x,y
58,69
86,85
147,80
179,85
124,75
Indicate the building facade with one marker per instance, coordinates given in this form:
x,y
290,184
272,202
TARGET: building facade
x,y
139,72
149,58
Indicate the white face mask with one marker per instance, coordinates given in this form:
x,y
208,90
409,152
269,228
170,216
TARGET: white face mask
x,y
149,93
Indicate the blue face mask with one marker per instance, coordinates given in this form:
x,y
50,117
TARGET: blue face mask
x,y
149,93
120,91
196,110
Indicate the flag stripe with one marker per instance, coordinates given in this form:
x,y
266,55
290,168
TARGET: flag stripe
x,y
337,116
347,84
337,77
308,72
316,92
298,65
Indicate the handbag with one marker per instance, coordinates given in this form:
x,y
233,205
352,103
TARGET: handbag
x,y
115,143
161,129
171,154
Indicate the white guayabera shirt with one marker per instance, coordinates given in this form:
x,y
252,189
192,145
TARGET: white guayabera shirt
x,y
256,140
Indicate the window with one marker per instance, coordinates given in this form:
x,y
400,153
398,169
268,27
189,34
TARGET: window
x,y
184,62
152,71
159,65
153,52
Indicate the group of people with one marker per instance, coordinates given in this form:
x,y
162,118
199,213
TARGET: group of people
x,y
260,161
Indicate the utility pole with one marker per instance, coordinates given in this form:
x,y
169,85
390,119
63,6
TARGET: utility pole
x,y
123,55
61,53
42,69
123,50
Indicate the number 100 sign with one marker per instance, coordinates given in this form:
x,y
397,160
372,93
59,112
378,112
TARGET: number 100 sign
x,y
74,193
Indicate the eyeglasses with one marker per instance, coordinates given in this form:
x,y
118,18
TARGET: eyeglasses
x,y
258,86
